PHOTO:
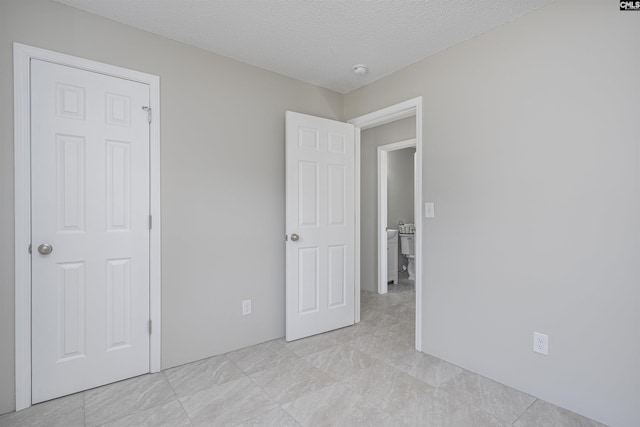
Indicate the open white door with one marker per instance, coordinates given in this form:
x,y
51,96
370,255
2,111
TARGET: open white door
x,y
320,225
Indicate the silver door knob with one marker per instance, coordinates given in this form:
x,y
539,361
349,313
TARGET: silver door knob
x,y
45,249
295,237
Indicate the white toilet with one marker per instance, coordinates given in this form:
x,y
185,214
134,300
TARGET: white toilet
x,y
408,249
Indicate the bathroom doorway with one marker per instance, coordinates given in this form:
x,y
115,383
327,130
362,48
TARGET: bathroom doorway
x,y
396,214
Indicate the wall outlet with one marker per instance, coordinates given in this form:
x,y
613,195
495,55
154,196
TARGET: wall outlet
x,y
541,343
246,307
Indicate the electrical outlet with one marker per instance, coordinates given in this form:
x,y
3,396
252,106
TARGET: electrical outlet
x,y
246,307
541,343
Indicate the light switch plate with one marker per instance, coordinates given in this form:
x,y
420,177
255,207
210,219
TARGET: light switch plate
x,y
246,307
429,210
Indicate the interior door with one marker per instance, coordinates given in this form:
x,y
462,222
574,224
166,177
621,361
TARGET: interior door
x,y
320,225
90,229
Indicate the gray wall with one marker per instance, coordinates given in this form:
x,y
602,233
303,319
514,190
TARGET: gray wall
x,y
371,139
400,185
532,157
222,179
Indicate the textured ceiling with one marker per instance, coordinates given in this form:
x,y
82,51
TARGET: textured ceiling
x,y
316,41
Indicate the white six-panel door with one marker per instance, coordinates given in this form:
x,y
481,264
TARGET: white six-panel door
x,y
90,203
320,225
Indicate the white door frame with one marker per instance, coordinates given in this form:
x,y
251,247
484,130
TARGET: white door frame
x,y
383,150
22,55
409,108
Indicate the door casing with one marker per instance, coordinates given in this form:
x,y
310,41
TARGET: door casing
x,y
383,150
402,110
22,55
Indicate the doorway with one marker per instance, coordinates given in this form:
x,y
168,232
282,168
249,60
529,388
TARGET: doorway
x,y
386,201
403,110
310,140
71,106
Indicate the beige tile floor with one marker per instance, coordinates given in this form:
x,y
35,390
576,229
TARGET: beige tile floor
x,y
364,375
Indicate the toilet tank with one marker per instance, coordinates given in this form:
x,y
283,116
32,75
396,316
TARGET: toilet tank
x,y
407,244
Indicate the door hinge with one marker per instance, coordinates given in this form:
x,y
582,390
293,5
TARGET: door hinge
x,y
150,327
29,248
150,222
286,237
148,110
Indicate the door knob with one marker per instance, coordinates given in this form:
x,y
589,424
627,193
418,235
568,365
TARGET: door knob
x,y
295,237
45,249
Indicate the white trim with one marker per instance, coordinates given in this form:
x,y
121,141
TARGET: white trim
x,y
357,227
155,234
399,111
383,150
418,220
22,200
386,115
383,276
22,55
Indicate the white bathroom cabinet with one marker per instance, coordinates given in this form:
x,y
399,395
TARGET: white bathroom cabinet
x,y
392,260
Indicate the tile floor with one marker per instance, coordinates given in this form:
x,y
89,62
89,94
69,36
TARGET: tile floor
x,y
365,375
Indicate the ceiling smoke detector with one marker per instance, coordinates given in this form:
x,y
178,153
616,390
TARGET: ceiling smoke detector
x,y
360,70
